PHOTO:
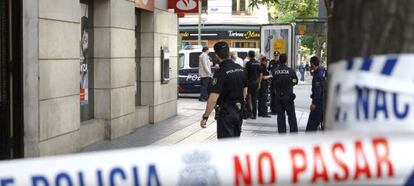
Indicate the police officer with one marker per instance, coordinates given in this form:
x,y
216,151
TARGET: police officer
x,y
228,91
274,63
318,87
254,76
284,78
264,87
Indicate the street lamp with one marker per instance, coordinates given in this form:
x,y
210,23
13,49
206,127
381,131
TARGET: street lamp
x,y
202,18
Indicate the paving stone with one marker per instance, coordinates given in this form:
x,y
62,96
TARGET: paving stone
x,y
184,128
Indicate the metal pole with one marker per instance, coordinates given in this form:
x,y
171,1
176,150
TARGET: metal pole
x,y
199,22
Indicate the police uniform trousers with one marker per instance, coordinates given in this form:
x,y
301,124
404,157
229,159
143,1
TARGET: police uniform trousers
x,y
205,86
252,89
315,118
285,104
264,87
229,123
273,101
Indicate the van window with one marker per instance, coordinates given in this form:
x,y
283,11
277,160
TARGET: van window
x,y
194,59
213,58
242,55
181,60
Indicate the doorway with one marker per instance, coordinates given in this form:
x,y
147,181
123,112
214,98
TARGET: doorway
x,y
11,82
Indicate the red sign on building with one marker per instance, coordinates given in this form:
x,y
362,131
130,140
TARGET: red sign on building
x,y
182,7
145,5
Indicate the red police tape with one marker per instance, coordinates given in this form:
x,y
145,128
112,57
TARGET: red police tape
x,y
311,159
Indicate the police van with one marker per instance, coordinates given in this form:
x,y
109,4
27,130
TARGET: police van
x,y
188,59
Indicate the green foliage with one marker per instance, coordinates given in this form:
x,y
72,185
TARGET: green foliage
x,y
286,11
305,51
308,42
268,2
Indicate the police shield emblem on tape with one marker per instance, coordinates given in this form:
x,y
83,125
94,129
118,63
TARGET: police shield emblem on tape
x,y
198,170
373,91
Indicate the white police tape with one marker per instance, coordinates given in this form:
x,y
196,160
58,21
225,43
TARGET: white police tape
x,y
315,159
372,91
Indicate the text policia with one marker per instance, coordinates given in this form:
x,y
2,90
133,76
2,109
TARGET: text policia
x,y
310,165
114,176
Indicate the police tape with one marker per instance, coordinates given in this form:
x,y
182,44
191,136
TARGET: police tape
x,y
311,159
373,91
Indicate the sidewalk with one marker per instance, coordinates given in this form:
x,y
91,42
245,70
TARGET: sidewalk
x,y
185,127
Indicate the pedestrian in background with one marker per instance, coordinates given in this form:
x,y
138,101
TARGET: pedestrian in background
x,y
318,88
307,68
274,63
302,71
284,78
228,92
236,58
204,71
264,87
254,76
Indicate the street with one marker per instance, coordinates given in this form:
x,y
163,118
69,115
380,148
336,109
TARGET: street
x,y
185,127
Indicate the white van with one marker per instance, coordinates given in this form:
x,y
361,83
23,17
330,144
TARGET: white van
x,y
189,80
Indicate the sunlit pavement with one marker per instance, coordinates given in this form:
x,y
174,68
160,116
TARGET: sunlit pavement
x,y
185,128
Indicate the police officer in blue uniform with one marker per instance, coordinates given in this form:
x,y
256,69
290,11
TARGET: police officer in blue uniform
x,y
274,63
264,88
284,78
228,92
254,76
318,88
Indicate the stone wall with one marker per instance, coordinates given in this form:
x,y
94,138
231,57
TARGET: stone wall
x,y
58,128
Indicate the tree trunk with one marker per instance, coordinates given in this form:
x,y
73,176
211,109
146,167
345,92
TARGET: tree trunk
x,y
370,27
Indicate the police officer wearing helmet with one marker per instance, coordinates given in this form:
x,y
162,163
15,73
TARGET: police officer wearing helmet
x,y
284,78
318,82
254,76
228,92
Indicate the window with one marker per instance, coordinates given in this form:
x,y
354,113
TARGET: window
x,y
194,59
181,60
86,61
240,7
194,42
213,58
138,57
244,44
242,55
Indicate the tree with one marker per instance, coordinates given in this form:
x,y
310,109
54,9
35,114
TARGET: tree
x,y
370,27
286,11
314,43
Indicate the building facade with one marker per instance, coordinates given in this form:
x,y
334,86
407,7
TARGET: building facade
x,y
229,20
90,70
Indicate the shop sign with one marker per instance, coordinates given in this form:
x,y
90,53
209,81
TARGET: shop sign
x,y
244,35
183,6
145,5
317,28
301,30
